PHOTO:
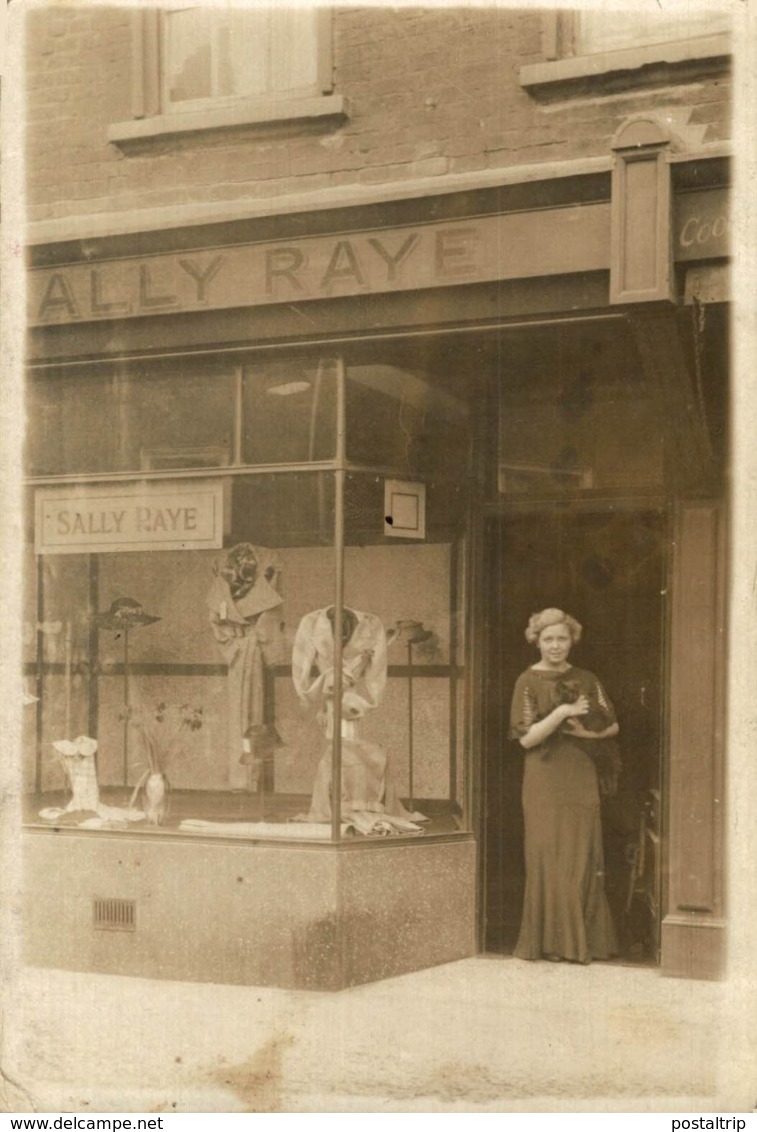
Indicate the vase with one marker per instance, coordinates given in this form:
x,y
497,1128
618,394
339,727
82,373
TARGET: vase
x,y
155,798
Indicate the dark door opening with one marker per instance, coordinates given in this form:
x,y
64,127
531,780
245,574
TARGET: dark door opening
x,y
607,568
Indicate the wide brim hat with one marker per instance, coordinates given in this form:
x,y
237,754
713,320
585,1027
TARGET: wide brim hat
x,y
124,613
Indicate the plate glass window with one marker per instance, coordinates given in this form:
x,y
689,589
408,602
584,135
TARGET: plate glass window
x,y
193,531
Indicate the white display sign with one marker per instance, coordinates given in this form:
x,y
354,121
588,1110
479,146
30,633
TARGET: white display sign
x,y
404,509
186,515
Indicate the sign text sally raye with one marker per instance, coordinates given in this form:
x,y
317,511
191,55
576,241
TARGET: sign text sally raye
x,y
186,515
391,259
513,245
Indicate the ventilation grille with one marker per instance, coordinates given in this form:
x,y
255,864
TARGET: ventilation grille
x,y
113,914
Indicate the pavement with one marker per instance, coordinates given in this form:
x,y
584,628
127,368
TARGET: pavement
x,y
488,1034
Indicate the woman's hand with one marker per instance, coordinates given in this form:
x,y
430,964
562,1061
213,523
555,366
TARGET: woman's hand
x,y
543,728
580,707
573,727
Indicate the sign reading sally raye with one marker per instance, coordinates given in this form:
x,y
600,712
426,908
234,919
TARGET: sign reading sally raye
x,y
438,254
186,515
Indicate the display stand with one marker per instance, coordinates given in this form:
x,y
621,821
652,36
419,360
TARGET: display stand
x,y
124,615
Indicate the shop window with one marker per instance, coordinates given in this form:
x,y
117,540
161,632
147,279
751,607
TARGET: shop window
x,y
401,418
199,67
577,417
414,586
129,421
289,412
593,43
185,596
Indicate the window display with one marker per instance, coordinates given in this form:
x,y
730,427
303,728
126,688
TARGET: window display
x,y
245,615
182,611
368,795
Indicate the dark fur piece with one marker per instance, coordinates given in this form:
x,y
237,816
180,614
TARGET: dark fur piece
x,y
604,753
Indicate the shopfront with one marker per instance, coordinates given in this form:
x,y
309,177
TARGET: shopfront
x,y
300,462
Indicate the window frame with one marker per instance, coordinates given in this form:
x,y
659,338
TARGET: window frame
x,y
321,83
339,470
563,61
584,19
152,119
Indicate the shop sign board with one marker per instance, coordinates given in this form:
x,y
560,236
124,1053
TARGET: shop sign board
x,y
702,225
113,518
514,245
480,249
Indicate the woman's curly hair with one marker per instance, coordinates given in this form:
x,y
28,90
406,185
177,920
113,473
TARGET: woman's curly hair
x,y
538,622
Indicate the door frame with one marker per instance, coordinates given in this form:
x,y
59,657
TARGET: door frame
x,y
586,503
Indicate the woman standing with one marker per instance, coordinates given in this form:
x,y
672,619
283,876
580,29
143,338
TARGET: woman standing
x,y
563,719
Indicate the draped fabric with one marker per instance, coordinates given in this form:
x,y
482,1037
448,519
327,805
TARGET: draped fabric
x,y
565,909
367,781
78,757
368,787
245,618
363,667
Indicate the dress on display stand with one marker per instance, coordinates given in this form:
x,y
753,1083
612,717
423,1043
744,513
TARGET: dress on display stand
x,y
367,783
246,619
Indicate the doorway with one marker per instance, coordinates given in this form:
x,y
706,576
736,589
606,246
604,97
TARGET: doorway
x,y
607,567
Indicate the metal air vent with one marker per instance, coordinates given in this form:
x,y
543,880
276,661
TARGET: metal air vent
x,y
113,914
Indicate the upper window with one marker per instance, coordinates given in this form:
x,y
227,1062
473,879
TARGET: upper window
x,y
199,67
238,53
597,42
602,30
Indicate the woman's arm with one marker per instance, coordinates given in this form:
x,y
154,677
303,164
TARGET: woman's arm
x,y
577,728
580,731
543,728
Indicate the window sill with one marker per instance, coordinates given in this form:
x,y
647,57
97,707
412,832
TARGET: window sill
x,y
628,59
255,113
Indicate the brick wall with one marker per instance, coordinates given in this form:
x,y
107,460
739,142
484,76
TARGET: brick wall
x,y
429,92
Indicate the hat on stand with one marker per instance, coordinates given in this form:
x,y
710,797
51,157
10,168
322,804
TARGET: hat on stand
x,y
124,613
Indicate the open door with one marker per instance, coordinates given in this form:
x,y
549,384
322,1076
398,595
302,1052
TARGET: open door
x,y
607,568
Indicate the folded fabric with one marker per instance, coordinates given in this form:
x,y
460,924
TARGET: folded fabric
x,y
51,813
102,815
118,813
372,824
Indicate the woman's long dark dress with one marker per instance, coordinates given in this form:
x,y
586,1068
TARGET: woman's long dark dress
x,y
565,910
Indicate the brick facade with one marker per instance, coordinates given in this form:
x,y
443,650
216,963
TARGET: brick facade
x,y
428,93
474,140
